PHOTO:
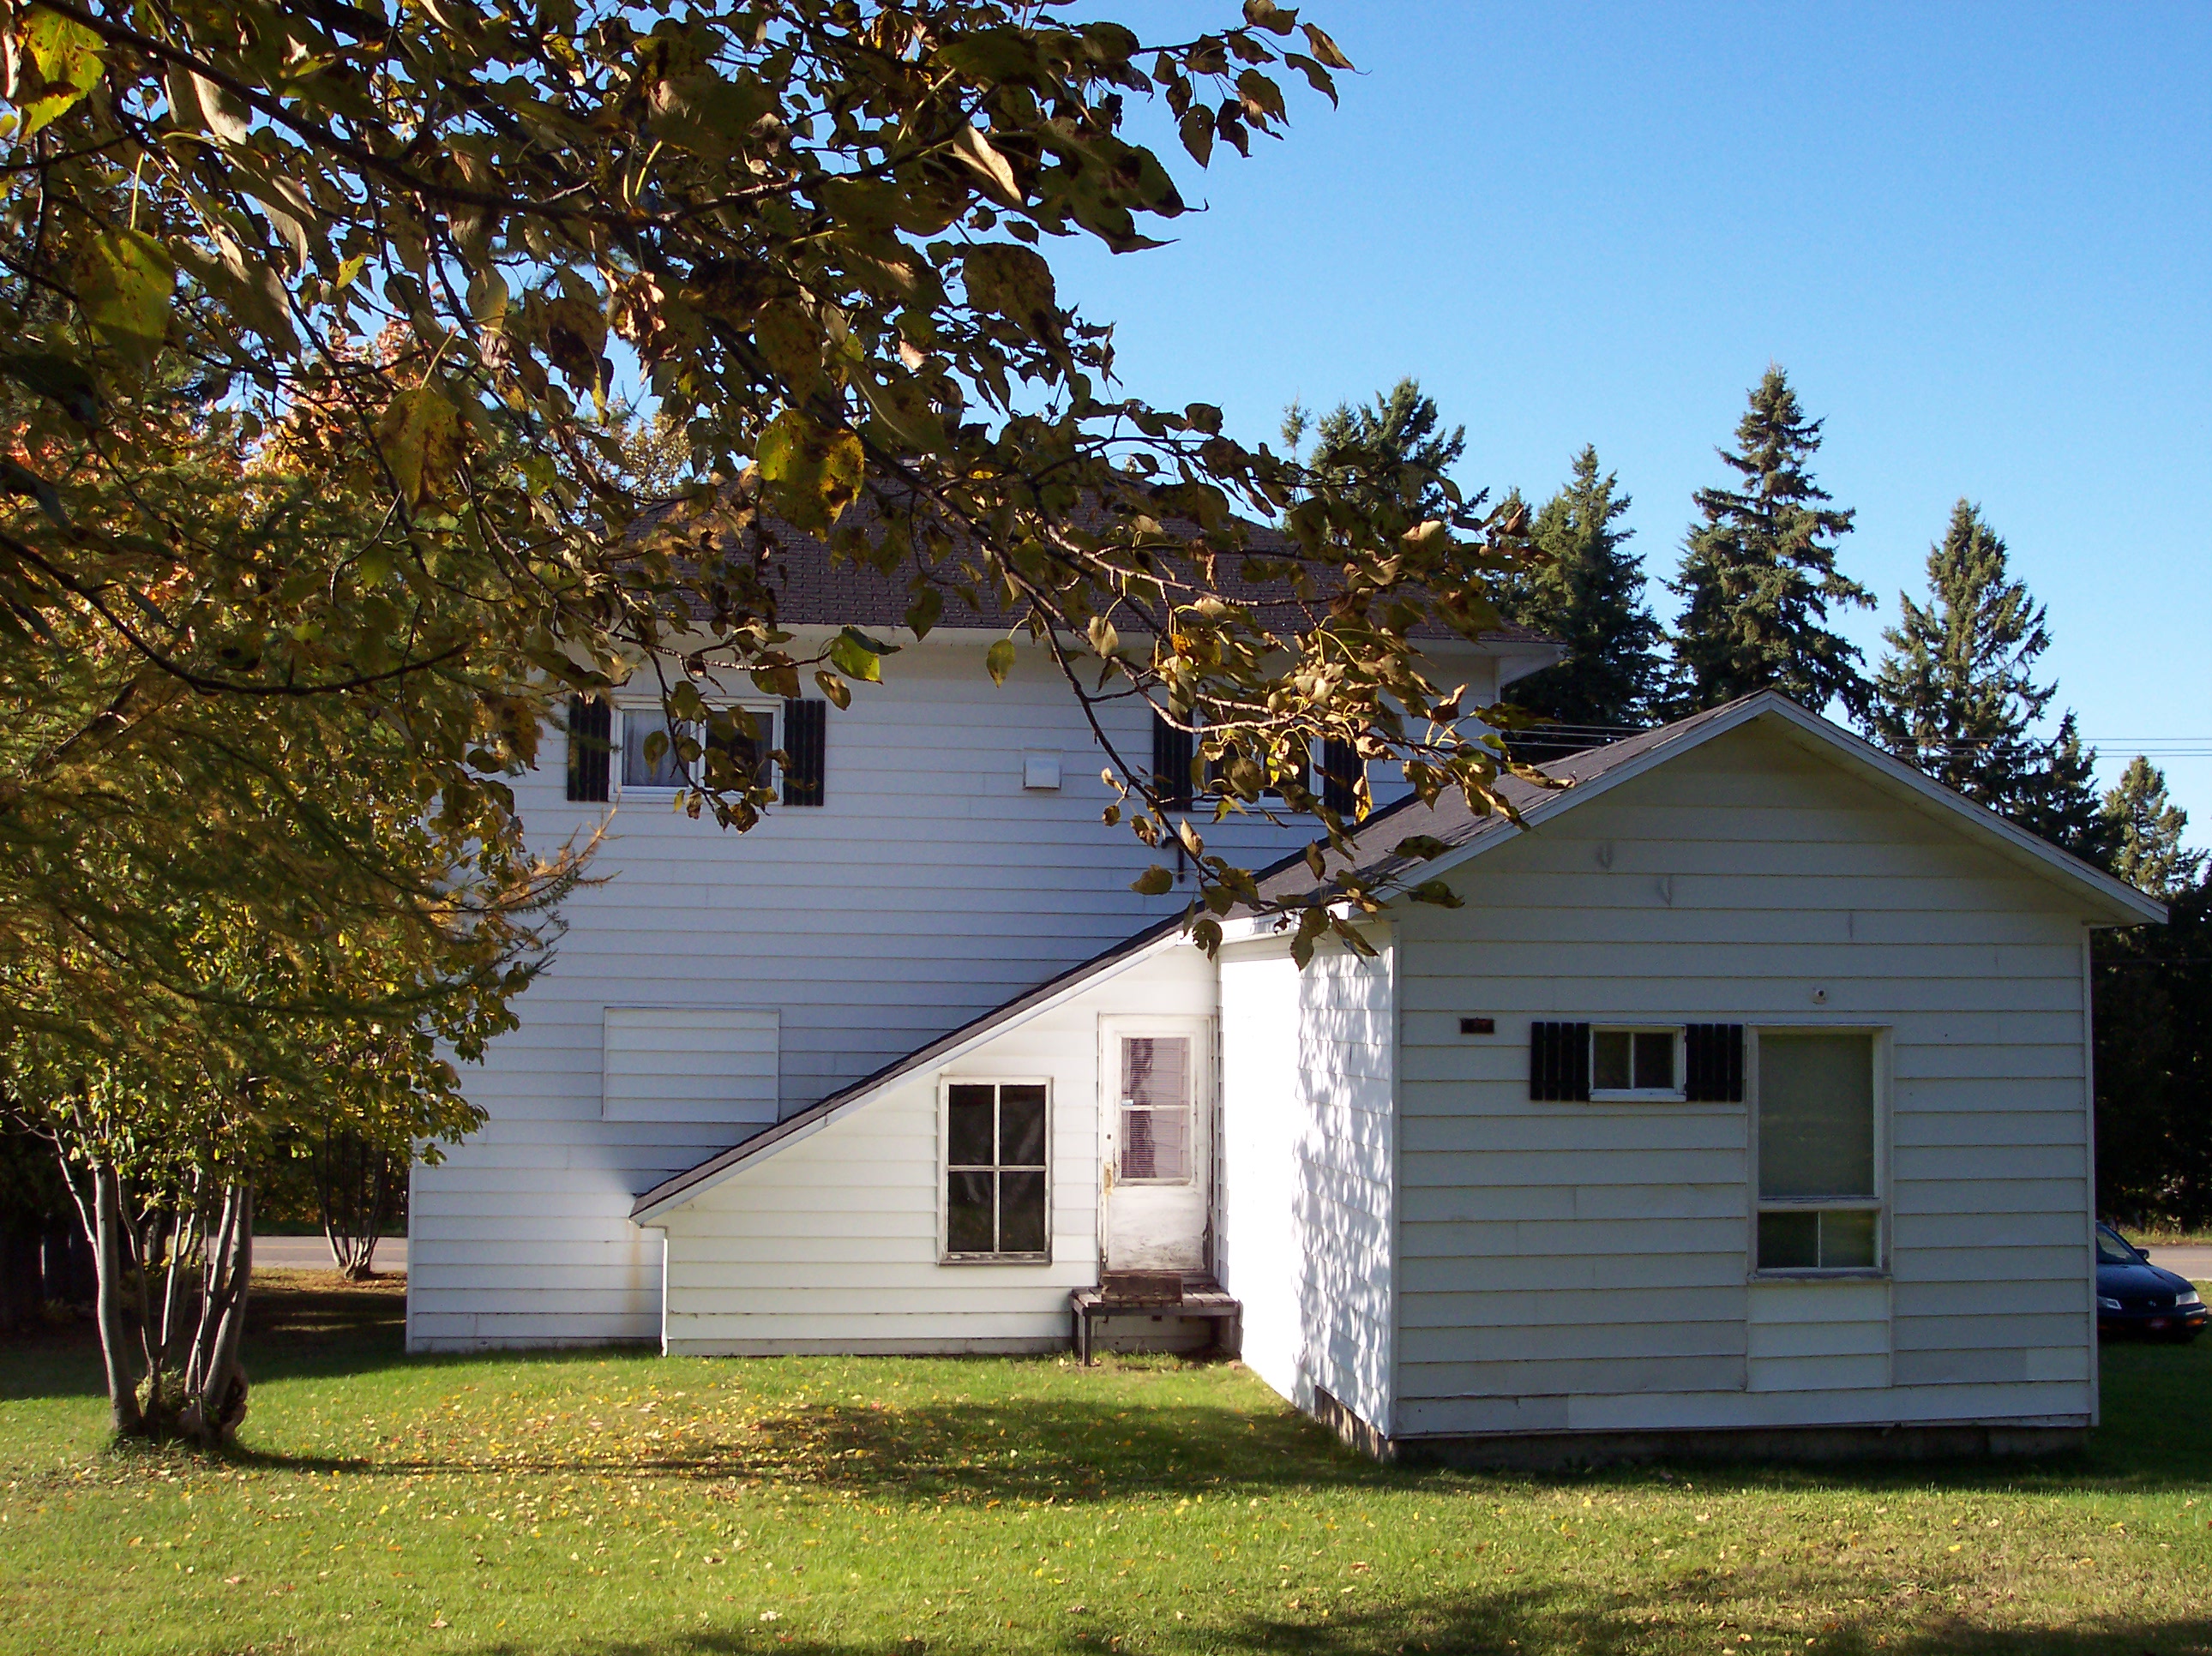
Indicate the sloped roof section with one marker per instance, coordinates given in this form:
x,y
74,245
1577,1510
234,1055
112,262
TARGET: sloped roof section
x,y
815,588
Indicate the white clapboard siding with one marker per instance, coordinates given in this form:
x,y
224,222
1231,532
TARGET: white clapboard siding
x,y
1307,1199
832,1242
929,888
1727,886
689,1063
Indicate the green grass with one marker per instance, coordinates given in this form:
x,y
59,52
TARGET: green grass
x,y
626,1504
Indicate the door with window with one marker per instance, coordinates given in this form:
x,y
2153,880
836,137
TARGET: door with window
x,y
1156,1108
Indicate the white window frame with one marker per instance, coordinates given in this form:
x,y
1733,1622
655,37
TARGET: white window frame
x,y
618,740
1676,1093
945,1083
1881,1045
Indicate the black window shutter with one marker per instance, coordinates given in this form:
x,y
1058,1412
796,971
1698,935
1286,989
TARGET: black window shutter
x,y
805,752
1171,752
591,735
1340,777
1713,1062
1559,1063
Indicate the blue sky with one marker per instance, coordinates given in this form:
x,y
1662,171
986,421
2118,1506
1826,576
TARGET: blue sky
x,y
1977,236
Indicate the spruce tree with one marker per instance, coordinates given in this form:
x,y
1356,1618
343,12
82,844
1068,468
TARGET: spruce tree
x,y
2058,799
1587,591
2146,829
1956,693
1400,429
1758,572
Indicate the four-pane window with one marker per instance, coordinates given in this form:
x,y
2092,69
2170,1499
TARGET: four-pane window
x,y
994,1170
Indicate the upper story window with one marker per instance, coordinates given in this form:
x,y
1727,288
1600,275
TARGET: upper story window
x,y
607,742
648,762
1336,777
1820,1191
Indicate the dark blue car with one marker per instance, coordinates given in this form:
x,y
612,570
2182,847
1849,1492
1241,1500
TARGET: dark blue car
x,y
2135,1296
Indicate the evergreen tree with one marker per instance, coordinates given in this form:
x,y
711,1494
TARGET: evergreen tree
x,y
2059,801
1956,693
1758,572
2153,1064
1587,591
2146,828
1400,431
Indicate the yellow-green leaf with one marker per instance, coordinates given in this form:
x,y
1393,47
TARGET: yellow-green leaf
x,y
124,281
1154,882
420,438
812,470
834,688
999,660
850,654
69,60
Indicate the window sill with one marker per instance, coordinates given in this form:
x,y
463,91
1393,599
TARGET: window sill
x,y
1821,1274
1636,1095
994,1259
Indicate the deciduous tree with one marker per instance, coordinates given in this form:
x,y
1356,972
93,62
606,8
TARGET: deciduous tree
x,y
814,226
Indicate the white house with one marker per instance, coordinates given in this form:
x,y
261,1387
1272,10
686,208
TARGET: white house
x,y
1744,1094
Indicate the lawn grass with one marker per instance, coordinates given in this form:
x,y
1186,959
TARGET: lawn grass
x,y
622,1504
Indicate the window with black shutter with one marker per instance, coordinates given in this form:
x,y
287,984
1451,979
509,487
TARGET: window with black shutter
x,y
805,751
1171,756
1340,777
590,742
1559,1063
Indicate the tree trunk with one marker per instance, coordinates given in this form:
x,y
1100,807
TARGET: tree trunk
x,y
109,1263
217,1379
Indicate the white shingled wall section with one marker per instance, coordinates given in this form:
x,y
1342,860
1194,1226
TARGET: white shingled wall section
x,y
1587,1266
931,887
1308,1134
831,1243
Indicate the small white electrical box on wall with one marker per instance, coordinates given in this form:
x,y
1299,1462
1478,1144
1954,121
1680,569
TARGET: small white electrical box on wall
x,y
1041,771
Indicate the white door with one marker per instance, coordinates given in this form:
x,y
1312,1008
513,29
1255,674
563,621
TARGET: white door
x,y
1155,1076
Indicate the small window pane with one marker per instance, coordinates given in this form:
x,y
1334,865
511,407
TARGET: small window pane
x,y
751,736
1156,1071
1788,1241
1655,1061
1155,1144
1611,1061
1021,1213
640,724
968,1136
968,1213
1021,1126
1847,1242
1815,1115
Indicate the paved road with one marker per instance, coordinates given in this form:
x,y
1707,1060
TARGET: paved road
x,y
314,1253
2194,1263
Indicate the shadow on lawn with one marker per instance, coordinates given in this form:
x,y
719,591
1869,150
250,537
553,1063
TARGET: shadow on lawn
x,y
1522,1621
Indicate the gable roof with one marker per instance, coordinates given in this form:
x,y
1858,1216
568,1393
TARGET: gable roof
x,y
1596,771
1574,779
